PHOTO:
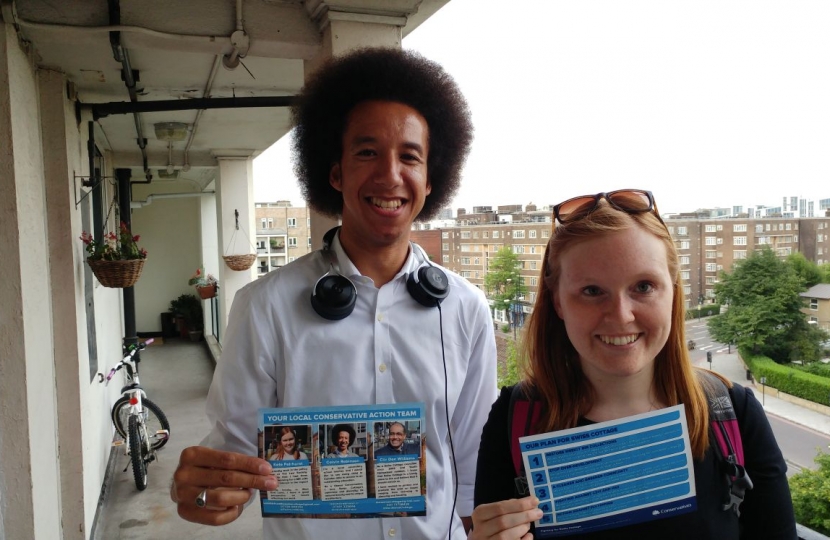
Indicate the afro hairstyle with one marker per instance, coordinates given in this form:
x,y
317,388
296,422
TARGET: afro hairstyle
x,y
320,112
335,432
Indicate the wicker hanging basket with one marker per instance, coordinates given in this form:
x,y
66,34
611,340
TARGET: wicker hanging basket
x,y
117,274
240,262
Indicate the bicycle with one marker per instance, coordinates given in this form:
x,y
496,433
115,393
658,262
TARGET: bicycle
x,y
147,427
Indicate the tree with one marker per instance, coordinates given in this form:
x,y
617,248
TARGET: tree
x,y
811,496
824,269
503,282
764,312
806,269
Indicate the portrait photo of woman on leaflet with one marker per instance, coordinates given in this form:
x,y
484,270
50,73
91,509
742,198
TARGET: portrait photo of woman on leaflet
x,y
605,341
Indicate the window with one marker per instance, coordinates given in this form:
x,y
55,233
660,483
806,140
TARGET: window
x,y
814,304
445,246
292,259
309,241
711,267
532,297
684,275
533,249
711,228
739,254
495,234
485,234
532,234
446,259
789,226
710,280
739,227
759,228
466,274
465,247
465,235
465,260
684,244
445,234
720,241
533,281
720,227
546,234
292,222
671,230
711,254
518,249
739,241
684,259
533,265
711,240
687,289
710,293
476,261
270,223
682,231
264,222
518,234
768,226
292,241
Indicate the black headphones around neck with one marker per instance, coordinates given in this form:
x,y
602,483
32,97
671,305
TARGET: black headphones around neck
x,y
334,295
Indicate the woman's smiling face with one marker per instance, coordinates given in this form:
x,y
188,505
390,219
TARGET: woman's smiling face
x,y
287,442
615,296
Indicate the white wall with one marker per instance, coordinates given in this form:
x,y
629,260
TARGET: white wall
x,y
31,493
170,232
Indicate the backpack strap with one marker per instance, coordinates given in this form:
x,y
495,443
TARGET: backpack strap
x,y
522,414
726,439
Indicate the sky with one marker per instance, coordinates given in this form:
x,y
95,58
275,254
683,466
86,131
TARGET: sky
x,y
706,103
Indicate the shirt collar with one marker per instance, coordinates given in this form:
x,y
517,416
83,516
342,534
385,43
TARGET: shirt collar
x,y
347,267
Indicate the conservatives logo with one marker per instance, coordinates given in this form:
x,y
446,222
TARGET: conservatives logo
x,y
670,510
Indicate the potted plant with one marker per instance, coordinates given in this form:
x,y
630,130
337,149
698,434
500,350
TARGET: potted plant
x,y
116,260
205,284
188,310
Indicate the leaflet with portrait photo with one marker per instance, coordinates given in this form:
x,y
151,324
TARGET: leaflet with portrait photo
x,y
611,474
345,462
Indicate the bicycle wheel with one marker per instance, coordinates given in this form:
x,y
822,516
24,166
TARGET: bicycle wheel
x,y
154,419
138,449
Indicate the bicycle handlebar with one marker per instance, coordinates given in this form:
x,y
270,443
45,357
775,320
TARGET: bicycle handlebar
x,y
131,350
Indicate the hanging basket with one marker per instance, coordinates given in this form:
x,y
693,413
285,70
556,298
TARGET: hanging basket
x,y
206,292
240,262
117,274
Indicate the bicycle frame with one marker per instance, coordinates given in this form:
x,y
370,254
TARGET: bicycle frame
x,y
140,445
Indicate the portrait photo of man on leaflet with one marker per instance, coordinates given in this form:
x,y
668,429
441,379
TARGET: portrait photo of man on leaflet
x,y
380,137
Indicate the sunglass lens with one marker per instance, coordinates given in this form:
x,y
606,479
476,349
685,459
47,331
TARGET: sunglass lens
x,y
575,208
631,200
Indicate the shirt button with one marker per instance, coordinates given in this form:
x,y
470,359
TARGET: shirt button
x,y
382,369
392,532
380,317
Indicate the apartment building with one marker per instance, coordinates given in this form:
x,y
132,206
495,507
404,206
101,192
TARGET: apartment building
x,y
282,234
817,305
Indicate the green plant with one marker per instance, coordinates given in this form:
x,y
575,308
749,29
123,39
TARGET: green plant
x,y
190,309
114,247
200,279
508,372
811,495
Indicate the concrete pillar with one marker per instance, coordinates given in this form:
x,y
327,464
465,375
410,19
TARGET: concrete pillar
x,y
234,192
63,220
29,472
343,32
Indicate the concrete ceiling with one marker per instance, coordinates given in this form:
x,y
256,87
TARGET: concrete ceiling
x,y
175,47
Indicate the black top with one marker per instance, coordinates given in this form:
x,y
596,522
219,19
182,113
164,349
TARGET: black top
x,y
766,513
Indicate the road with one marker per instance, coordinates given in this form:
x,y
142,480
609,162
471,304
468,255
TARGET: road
x,y
798,444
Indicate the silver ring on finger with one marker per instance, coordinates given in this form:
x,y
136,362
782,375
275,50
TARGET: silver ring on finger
x,y
201,500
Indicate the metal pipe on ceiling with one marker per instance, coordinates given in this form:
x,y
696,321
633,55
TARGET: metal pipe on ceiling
x,y
205,95
101,110
151,197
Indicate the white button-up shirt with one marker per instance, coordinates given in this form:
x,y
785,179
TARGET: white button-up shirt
x,y
278,352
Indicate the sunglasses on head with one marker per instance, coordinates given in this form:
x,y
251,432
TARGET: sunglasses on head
x,y
630,201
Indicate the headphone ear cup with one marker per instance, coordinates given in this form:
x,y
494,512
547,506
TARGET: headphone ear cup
x,y
334,298
431,287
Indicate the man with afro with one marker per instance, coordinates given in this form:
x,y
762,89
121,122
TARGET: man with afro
x,y
380,138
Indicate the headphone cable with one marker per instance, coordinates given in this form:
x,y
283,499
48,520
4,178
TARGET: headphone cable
x,y
449,429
